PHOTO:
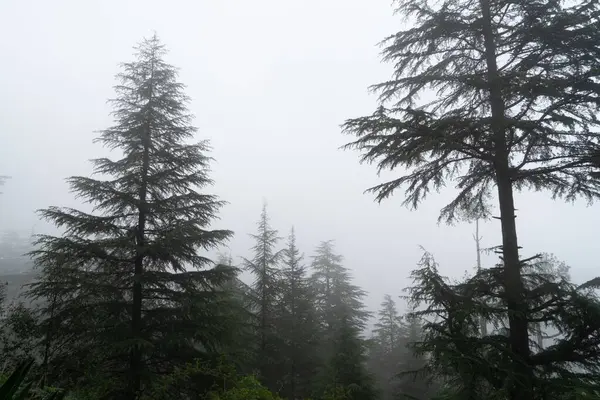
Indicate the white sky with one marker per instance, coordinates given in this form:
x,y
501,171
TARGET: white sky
x,y
270,82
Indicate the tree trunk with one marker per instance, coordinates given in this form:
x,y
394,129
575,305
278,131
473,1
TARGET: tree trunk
x,y
263,323
482,320
136,365
517,308
294,334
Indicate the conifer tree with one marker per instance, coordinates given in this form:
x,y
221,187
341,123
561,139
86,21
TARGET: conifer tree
x,y
142,297
387,348
342,317
239,353
264,266
388,327
335,295
57,334
19,335
298,324
413,379
516,98
346,370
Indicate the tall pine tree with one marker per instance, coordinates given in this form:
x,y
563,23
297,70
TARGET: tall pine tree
x,y
264,266
342,317
298,324
388,326
335,294
143,297
387,348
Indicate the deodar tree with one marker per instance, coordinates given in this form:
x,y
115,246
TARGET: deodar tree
x,y
146,300
264,267
342,316
494,96
298,324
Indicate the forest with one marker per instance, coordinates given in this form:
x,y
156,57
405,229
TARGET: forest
x,y
129,303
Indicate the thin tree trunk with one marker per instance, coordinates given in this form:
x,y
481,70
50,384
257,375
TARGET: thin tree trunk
x,y
136,364
264,357
294,334
482,321
517,319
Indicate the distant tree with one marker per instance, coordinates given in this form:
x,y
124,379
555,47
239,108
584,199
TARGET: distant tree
x,y
482,322
388,328
393,359
298,324
387,348
264,266
413,379
3,179
514,101
335,294
342,317
240,353
145,299
346,370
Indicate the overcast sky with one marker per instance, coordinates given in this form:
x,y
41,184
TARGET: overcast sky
x,y
270,83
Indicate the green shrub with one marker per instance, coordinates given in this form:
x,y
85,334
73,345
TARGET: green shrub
x,y
247,388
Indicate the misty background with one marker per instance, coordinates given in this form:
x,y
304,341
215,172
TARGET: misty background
x,y
270,82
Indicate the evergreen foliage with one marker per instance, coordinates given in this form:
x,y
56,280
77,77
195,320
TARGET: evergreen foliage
x,y
336,297
398,368
388,328
264,266
473,366
19,336
387,347
342,317
346,370
515,105
128,303
139,298
298,324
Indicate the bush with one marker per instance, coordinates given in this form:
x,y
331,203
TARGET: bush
x,y
247,388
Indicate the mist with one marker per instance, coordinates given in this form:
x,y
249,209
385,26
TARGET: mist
x,y
270,84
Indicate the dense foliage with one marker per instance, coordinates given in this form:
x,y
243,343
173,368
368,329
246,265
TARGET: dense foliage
x,y
128,303
515,104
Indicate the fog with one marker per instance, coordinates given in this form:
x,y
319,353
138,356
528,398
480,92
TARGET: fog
x,y
270,83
